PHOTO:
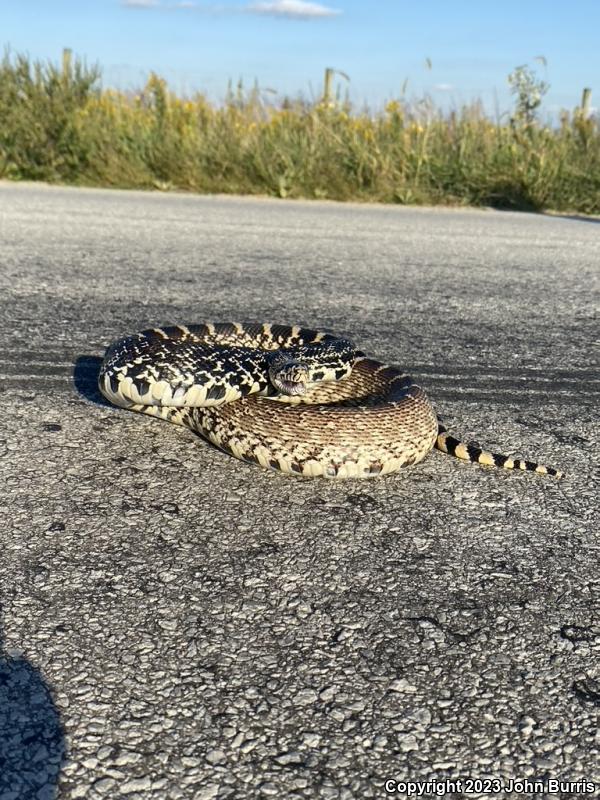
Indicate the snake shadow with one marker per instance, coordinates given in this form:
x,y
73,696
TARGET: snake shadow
x,y
32,738
85,379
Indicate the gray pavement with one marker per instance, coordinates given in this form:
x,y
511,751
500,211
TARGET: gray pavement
x,y
178,624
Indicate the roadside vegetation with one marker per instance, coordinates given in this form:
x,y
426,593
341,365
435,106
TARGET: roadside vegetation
x,y
58,124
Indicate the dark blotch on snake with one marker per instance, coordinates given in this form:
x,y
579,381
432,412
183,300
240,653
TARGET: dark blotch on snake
x,y
216,392
281,331
474,452
452,444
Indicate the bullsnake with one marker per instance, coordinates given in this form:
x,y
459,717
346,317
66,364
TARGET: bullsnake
x,y
290,398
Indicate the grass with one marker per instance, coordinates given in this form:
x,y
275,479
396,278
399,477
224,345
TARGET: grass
x,y
58,124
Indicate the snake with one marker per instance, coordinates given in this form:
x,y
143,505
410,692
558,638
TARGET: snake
x,y
286,397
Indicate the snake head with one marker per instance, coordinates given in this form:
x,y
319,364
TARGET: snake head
x,y
288,375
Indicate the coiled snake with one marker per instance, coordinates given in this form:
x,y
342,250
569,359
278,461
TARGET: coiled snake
x,y
289,398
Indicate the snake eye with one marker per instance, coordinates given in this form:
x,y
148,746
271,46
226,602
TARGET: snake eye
x,y
289,376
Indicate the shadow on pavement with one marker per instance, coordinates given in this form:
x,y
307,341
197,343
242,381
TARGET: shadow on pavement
x,y
576,217
85,378
32,741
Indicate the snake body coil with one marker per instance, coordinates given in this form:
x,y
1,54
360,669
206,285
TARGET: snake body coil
x,y
289,398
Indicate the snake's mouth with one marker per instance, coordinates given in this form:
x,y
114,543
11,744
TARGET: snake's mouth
x,y
289,387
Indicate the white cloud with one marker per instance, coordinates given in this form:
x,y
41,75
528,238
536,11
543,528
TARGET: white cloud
x,y
444,87
297,9
139,3
180,4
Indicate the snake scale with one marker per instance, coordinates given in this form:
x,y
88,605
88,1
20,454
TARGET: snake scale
x,y
286,397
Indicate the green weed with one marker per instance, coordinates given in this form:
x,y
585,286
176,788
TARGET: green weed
x,y
58,124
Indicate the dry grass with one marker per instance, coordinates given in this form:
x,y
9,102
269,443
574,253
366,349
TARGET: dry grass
x,y
57,124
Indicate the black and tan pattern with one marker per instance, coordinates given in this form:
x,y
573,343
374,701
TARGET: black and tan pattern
x,y
288,398
470,452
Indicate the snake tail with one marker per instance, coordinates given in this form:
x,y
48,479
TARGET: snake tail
x,y
470,452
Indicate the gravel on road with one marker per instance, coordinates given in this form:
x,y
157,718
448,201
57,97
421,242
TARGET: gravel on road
x,y
178,624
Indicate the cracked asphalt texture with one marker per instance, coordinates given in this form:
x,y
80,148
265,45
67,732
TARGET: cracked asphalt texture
x,y
179,624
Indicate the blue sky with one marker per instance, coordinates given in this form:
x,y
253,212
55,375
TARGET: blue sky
x,y
286,44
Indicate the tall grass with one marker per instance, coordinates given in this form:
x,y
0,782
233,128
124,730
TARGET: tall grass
x,y
58,124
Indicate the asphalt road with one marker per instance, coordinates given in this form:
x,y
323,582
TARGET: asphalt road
x,y
179,624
